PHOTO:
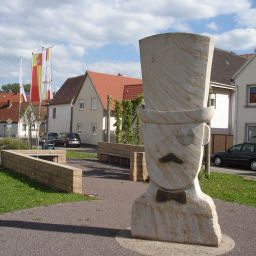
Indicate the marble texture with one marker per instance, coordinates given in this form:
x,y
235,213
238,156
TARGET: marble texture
x,y
176,75
176,71
195,222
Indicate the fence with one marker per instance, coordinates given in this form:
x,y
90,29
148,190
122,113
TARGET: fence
x,y
221,142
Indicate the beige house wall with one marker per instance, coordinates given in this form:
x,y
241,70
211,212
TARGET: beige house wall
x,y
245,113
88,117
63,118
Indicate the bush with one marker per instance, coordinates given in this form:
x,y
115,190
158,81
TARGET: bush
x,y
11,143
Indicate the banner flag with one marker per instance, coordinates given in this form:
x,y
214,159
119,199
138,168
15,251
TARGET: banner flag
x,y
46,92
36,77
22,91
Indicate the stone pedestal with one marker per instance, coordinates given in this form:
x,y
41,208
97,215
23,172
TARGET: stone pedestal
x,y
176,76
194,222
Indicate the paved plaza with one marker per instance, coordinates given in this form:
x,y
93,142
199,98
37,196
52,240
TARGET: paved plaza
x,y
90,228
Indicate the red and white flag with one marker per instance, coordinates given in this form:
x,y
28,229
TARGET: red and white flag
x,y
22,91
46,91
35,88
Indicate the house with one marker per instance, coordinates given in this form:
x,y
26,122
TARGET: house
x,y
225,64
33,118
12,113
245,112
60,117
90,105
81,103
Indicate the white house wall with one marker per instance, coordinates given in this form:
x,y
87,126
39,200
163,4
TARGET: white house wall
x,y
223,120
4,132
23,133
62,121
112,122
88,117
245,114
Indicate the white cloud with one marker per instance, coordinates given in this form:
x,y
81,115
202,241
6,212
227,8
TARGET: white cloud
x,y
236,40
248,18
73,28
212,26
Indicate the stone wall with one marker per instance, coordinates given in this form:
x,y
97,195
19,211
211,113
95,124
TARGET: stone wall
x,y
138,169
56,175
61,153
135,155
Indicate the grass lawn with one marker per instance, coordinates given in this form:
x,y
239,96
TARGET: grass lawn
x,y
19,192
80,155
231,188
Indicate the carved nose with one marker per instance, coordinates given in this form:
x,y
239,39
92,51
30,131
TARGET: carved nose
x,y
171,158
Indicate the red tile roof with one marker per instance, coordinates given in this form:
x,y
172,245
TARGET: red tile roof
x,y
9,112
113,85
247,56
5,96
132,92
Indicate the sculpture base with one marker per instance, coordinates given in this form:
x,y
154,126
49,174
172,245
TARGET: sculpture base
x,y
192,222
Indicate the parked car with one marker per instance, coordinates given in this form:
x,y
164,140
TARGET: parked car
x,y
68,140
47,142
240,154
53,134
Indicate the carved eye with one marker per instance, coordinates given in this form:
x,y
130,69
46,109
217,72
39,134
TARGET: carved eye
x,y
186,136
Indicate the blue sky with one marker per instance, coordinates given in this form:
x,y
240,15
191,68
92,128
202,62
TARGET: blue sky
x,y
102,35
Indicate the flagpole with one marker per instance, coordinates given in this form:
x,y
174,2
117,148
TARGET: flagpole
x,y
31,102
20,80
40,100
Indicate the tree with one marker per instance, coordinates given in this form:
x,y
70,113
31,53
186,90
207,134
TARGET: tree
x,y
30,119
127,122
14,88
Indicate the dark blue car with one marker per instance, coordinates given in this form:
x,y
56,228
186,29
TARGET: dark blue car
x,y
241,154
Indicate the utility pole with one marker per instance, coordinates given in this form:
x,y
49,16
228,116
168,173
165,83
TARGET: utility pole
x,y
108,117
207,148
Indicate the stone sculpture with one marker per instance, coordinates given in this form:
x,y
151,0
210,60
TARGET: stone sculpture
x,y
176,76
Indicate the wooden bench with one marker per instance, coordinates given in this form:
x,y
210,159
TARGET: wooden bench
x,y
122,152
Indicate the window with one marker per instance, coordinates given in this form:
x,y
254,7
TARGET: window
x,y
94,103
54,113
94,129
79,127
251,133
236,148
24,127
248,148
213,100
33,127
251,94
81,104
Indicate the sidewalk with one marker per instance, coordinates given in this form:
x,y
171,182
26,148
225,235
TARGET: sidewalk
x,y
236,171
89,228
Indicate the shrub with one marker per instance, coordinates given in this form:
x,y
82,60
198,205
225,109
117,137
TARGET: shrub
x,y
11,143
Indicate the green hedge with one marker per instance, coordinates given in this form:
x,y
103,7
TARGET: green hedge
x,y
12,143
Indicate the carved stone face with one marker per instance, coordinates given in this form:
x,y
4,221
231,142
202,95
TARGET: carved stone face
x,y
185,142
